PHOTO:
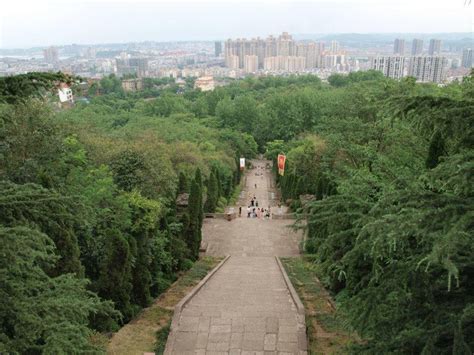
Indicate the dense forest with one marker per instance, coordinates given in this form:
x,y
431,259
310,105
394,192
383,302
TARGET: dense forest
x,y
91,232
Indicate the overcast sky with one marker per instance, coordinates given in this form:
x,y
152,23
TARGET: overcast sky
x,y
27,23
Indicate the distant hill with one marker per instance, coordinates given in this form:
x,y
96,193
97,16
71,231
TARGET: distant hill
x,y
463,39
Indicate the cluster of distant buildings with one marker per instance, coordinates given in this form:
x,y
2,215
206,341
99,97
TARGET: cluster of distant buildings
x,y
281,54
425,67
213,63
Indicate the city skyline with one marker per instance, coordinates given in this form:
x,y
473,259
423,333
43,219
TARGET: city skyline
x,y
82,22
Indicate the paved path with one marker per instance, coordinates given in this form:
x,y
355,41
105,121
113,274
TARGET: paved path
x,y
245,308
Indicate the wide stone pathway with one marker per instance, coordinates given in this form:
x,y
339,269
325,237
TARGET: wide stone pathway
x,y
245,307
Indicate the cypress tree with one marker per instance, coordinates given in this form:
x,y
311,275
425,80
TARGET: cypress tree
x,y
195,213
219,180
228,186
183,185
212,193
198,178
237,171
320,187
141,276
300,187
115,280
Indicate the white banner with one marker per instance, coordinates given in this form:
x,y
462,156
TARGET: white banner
x,y
242,163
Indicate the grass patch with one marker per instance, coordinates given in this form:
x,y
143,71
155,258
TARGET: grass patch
x,y
99,340
148,332
327,330
161,337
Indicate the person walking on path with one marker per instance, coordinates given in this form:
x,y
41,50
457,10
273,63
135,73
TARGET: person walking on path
x,y
255,185
240,211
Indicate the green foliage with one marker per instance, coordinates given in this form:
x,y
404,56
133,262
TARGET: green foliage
x,y
110,84
100,180
129,170
144,230
212,193
392,234
166,105
338,80
195,215
115,279
389,165
30,143
47,211
39,313
182,183
436,150
161,338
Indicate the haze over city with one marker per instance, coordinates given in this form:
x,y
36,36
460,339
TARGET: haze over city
x,y
29,23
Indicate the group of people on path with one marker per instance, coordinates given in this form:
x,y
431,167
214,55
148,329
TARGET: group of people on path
x,y
254,211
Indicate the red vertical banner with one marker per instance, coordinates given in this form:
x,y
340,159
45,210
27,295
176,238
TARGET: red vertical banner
x,y
281,164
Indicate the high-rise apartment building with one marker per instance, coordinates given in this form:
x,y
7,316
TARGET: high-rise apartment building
x,y
466,61
232,61
399,46
285,63
138,66
90,53
283,46
334,49
435,47
391,67
217,48
51,55
334,61
295,64
251,63
313,54
427,68
416,47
